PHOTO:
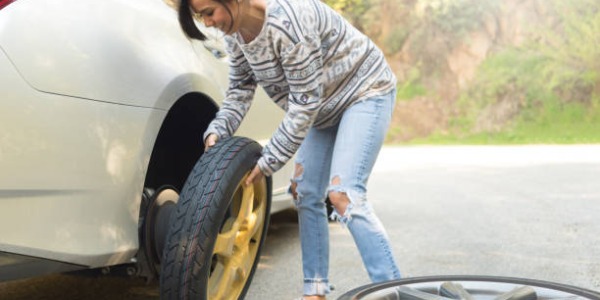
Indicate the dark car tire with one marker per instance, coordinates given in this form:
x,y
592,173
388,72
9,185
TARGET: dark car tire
x,y
430,286
217,231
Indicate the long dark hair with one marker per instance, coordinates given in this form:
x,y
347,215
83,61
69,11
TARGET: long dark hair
x,y
186,19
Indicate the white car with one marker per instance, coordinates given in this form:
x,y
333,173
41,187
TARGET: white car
x,y
102,110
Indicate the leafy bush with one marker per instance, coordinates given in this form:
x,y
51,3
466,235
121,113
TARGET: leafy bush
x,y
411,87
456,17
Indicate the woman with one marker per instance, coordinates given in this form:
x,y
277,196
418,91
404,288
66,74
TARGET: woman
x,y
338,93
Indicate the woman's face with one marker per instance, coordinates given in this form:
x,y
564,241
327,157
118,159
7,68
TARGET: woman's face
x,y
214,14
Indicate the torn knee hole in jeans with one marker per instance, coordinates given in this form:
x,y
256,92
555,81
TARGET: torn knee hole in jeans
x,y
341,201
298,171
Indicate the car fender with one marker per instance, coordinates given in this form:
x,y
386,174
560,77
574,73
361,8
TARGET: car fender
x,y
107,50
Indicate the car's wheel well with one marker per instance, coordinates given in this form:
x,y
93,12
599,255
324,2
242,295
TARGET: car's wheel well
x,y
179,142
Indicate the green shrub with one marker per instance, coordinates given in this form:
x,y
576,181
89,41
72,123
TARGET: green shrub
x,y
411,87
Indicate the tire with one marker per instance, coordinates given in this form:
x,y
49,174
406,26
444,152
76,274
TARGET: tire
x,y
216,234
469,287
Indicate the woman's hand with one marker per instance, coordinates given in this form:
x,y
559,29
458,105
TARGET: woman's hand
x,y
255,176
210,141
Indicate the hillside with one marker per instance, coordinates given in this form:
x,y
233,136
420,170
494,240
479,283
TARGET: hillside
x,y
472,71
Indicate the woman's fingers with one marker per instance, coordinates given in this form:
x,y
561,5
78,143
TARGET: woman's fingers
x,y
210,141
255,176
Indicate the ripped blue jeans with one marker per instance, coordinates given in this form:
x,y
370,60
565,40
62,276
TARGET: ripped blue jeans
x,y
340,159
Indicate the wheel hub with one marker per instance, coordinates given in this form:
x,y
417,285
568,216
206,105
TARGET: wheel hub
x,y
161,205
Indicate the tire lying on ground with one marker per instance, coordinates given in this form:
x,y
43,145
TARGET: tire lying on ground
x,y
469,287
215,237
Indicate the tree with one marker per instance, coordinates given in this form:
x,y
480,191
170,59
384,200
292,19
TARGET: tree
x,y
571,49
353,10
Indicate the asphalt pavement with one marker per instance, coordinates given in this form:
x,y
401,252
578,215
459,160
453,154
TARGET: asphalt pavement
x,y
518,211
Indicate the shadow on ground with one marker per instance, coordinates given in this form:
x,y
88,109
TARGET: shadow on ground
x,y
92,286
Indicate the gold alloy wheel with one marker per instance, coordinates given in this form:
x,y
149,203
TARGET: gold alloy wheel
x,y
237,244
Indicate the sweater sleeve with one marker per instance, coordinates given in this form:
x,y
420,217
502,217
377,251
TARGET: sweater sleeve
x,y
302,65
239,95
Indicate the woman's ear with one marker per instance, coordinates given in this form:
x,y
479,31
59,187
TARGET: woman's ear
x,y
174,4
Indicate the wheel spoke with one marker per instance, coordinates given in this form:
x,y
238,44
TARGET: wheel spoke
x,y
519,293
245,260
214,281
454,291
414,294
222,281
246,205
229,276
257,217
227,239
244,237
254,220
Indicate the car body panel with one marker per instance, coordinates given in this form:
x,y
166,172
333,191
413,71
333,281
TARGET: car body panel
x,y
79,117
76,173
87,40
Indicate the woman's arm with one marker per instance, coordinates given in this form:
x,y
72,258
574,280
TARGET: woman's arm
x,y
238,98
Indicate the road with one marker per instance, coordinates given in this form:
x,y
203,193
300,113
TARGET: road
x,y
510,211
522,211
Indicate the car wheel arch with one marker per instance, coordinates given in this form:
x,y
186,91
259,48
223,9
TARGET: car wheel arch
x,y
178,144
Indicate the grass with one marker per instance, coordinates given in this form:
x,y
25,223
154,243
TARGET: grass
x,y
530,134
552,124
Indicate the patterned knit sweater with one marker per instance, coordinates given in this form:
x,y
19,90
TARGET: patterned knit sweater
x,y
311,62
